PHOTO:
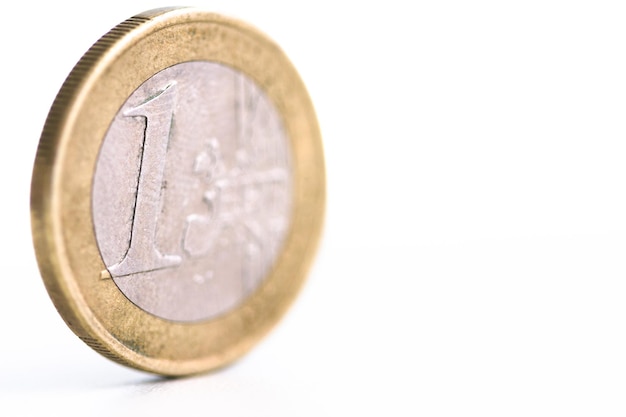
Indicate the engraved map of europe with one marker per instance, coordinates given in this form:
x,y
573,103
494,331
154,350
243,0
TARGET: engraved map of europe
x,y
193,191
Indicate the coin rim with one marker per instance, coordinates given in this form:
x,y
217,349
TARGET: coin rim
x,y
61,216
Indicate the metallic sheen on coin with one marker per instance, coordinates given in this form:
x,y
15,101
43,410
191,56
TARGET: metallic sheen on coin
x,y
178,191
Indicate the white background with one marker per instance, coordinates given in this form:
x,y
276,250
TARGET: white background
x,y
473,255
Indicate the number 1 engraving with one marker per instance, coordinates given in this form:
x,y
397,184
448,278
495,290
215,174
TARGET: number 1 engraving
x,y
142,254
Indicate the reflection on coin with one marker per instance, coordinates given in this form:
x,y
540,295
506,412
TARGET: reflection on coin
x,y
178,191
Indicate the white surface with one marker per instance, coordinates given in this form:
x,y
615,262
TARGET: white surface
x,y
473,260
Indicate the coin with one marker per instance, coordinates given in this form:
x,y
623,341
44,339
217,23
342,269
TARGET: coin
x,y
178,191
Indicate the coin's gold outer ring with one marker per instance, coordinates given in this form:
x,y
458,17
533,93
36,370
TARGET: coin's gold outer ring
x,y
61,215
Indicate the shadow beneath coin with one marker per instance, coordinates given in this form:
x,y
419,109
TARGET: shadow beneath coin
x,y
218,379
74,382
85,372
68,375
234,389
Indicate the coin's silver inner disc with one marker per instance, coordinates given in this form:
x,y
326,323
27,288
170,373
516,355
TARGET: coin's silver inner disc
x,y
192,194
